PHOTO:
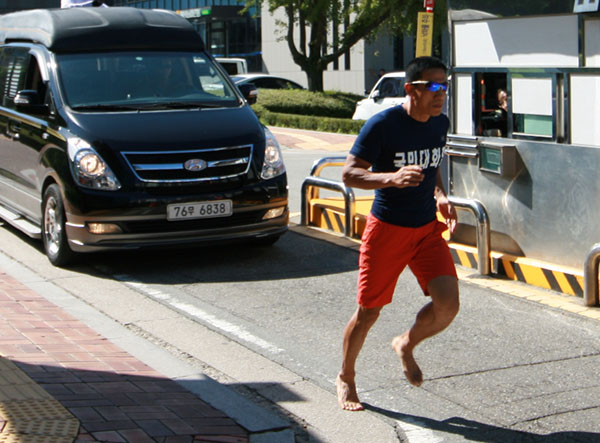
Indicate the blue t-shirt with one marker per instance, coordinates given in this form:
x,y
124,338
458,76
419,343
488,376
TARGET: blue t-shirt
x,y
391,139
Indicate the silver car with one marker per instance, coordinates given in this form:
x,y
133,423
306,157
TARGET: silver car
x,y
387,92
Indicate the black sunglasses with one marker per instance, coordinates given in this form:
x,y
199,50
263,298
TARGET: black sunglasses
x,y
431,86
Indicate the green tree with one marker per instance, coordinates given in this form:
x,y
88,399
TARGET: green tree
x,y
328,29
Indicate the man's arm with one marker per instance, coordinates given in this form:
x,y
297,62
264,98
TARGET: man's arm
x,y
443,204
356,174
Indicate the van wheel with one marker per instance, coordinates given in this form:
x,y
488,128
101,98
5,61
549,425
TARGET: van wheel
x,y
53,228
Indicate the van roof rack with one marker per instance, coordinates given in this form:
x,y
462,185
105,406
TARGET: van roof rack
x,y
98,29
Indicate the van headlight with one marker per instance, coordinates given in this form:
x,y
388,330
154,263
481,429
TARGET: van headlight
x,y
273,162
88,168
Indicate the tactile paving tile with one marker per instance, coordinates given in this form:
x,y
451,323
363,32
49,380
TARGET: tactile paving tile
x,y
40,420
22,438
54,428
38,409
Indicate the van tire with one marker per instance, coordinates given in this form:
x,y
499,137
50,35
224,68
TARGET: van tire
x,y
54,235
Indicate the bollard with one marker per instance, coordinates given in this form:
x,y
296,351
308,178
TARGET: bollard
x,y
590,276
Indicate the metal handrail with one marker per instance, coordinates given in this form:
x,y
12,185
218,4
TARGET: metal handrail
x,y
590,276
322,163
483,230
476,207
332,185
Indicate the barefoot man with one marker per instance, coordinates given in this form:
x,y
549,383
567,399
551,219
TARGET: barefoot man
x,y
397,153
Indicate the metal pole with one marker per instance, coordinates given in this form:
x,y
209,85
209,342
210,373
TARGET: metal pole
x,y
590,276
349,201
483,230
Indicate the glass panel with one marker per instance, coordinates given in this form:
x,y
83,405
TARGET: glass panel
x,y
532,124
464,104
492,105
532,95
142,80
585,109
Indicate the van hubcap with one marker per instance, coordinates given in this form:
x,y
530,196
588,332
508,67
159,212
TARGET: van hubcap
x,y
51,227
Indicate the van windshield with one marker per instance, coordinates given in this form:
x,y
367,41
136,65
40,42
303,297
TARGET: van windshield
x,y
143,80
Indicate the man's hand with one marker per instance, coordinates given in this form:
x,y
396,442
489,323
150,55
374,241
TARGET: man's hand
x,y
357,174
448,212
407,176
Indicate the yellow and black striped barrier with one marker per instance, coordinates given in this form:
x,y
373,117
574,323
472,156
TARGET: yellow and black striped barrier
x,y
328,214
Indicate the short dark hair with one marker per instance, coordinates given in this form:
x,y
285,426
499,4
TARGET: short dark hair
x,y
414,70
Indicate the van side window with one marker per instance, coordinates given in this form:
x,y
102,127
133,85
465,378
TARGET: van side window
x,y
33,79
15,60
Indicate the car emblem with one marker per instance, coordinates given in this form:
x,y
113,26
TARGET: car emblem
x,y
195,164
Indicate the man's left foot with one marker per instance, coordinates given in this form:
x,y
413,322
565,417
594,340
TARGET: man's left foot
x,y
347,396
411,369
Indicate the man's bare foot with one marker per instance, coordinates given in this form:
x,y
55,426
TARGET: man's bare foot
x,y
347,396
411,369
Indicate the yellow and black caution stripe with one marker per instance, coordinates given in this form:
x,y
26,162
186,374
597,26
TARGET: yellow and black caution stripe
x,y
464,258
544,275
328,213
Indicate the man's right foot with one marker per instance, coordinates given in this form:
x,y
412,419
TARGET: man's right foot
x,y
347,396
411,369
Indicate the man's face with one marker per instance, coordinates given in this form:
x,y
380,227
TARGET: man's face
x,y
425,101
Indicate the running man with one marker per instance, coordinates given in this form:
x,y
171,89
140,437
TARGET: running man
x,y
397,153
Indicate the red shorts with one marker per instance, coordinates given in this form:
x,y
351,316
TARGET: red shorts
x,y
385,251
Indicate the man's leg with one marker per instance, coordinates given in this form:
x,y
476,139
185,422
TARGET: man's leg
x,y
433,318
355,334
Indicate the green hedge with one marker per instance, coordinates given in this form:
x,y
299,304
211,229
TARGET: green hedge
x,y
329,111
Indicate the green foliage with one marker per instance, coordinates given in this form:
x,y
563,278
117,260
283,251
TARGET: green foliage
x,y
302,102
329,111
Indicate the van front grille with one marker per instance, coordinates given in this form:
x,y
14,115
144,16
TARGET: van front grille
x,y
190,165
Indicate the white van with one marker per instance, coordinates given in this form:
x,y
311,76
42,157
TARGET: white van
x,y
387,93
233,66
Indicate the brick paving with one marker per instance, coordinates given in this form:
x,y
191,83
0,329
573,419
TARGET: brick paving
x,y
92,389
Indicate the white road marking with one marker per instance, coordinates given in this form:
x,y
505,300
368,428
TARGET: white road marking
x,y
198,313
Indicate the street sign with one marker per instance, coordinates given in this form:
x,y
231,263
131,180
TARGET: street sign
x,y
585,6
424,34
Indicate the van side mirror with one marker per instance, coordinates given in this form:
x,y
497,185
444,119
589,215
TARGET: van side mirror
x,y
250,92
376,94
29,100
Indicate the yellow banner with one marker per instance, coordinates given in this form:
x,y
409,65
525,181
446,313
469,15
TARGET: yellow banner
x,y
424,34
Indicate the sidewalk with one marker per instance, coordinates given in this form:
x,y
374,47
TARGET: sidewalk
x,y
60,381
303,139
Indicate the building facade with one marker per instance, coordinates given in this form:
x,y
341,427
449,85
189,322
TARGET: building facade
x,y
356,71
226,31
14,5
256,36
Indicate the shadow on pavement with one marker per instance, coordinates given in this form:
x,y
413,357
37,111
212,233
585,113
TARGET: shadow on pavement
x,y
475,431
108,405
293,256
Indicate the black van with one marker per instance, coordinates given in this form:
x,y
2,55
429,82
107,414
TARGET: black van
x,y
118,130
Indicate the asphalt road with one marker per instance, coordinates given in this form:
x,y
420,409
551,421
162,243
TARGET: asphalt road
x,y
270,320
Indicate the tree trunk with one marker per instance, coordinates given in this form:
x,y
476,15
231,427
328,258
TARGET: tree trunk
x,y
314,75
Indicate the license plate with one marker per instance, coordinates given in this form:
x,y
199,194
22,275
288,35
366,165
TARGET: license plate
x,y
210,209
